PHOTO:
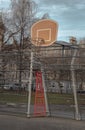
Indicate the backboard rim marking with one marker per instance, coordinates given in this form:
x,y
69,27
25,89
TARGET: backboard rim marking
x,y
49,29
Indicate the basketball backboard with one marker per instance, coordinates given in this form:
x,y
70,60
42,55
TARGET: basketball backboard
x,y
44,32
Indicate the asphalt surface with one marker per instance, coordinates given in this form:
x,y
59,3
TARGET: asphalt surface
x,y
54,110
21,123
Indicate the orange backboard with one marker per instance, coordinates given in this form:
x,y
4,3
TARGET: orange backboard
x,y
44,30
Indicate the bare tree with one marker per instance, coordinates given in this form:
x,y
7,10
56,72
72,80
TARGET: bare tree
x,y
18,21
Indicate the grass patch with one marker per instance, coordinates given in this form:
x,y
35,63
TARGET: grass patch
x,y
14,98
53,98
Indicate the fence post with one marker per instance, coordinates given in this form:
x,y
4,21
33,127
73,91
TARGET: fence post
x,y
77,115
29,86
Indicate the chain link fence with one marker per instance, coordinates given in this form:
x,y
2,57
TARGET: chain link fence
x,y
56,62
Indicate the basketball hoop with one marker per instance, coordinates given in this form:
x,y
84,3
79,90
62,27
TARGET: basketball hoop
x,y
43,34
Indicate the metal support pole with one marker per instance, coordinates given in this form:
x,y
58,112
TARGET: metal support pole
x,y
29,86
77,115
63,54
46,102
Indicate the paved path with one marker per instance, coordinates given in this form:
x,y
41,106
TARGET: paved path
x,y
21,123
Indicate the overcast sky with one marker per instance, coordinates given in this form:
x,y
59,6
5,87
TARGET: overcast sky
x,y
70,15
